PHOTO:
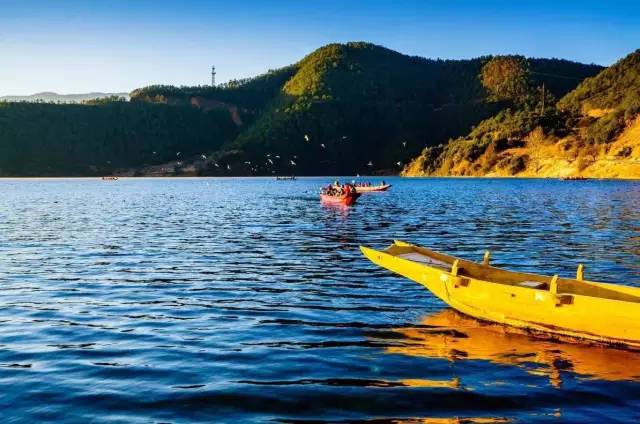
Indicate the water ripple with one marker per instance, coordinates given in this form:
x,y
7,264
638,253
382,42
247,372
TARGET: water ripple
x,y
246,300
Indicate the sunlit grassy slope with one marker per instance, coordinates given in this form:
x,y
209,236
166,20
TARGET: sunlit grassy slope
x,y
593,131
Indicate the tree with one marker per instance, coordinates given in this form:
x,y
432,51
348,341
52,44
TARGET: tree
x,y
506,78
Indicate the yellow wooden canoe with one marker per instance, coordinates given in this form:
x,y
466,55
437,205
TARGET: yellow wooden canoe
x,y
575,308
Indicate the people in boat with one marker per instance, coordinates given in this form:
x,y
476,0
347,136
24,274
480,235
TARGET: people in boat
x,y
338,190
330,190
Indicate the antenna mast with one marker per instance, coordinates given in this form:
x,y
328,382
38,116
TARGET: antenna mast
x,y
213,76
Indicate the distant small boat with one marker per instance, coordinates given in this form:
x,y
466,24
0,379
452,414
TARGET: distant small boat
x,y
110,178
571,308
343,199
368,189
291,178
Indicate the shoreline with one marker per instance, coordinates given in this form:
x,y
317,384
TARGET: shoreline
x,y
431,177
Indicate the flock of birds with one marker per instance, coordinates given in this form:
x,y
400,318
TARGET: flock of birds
x,y
270,158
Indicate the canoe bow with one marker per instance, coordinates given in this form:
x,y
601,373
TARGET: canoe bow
x,y
597,312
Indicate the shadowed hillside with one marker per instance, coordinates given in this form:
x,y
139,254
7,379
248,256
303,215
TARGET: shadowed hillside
x,y
94,139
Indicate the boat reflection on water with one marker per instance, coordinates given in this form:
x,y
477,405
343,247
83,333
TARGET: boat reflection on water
x,y
453,336
339,207
337,210
456,420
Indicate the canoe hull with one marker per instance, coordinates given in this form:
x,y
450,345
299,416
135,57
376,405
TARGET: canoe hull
x,y
575,314
347,200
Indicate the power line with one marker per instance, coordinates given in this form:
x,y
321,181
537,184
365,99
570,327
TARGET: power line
x,y
555,75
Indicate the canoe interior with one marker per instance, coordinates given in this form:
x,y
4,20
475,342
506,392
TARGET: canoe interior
x,y
495,275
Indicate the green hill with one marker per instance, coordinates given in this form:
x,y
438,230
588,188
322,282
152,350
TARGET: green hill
x,y
343,109
608,101
361,108
591,131
616,87
355,104
93,139
251,93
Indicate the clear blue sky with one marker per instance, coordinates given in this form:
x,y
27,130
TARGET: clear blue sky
x,y
72,46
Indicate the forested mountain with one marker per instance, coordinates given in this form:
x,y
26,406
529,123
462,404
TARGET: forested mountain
x,y
343,109
618,86
594,131
357,108
76,140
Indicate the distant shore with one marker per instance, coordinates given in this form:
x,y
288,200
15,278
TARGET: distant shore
x,y
349,177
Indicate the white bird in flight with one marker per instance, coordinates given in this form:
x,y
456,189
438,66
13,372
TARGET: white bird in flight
x,y
203,156
323,146
229,167
306,137
370,163
404,144
292,163
178,154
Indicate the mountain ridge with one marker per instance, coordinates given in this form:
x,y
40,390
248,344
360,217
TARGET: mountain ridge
x,y
50,96
342,91
342,109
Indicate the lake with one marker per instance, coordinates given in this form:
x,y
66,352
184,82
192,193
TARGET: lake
x,y
246,300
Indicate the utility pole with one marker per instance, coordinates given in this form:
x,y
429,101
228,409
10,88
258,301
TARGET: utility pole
x,y
213,76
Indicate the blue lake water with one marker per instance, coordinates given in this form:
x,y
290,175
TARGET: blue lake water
x,y
246,300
